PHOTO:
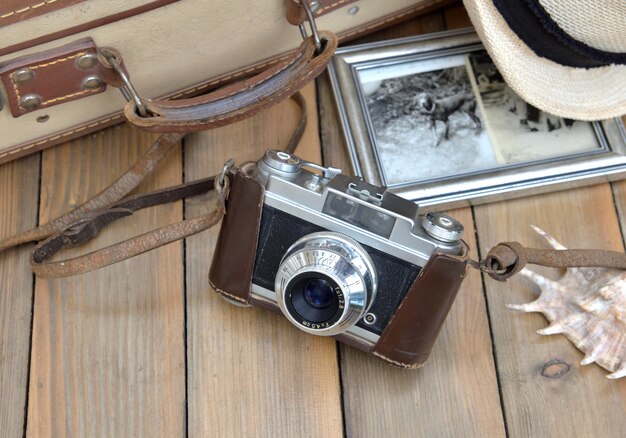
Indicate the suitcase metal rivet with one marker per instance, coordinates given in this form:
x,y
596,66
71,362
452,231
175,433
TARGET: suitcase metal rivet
x,y
315,6
43,119
30,101
87,60
23,76
92,83
353,10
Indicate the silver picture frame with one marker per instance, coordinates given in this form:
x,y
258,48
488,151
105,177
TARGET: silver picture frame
x,y
603,162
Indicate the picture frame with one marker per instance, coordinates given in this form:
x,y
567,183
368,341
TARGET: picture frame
x,y
410,123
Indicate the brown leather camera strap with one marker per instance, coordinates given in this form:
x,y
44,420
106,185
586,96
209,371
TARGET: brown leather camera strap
x,y
503,261
89,226
85,221
116,191
508,258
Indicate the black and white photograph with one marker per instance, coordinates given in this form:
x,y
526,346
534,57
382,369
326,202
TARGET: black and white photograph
x,y
455,115
427,124
431,118
520,132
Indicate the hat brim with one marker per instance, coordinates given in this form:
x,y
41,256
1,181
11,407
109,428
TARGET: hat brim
x,y
577,93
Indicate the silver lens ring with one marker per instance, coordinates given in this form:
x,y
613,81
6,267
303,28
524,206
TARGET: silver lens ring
x,y
325,283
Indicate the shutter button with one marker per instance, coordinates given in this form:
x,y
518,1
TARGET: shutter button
x,y
442,227
282,161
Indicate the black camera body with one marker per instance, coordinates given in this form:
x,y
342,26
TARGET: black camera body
x,y
280,230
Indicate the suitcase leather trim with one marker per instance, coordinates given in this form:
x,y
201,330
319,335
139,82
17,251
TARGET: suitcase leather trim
x,y
12,11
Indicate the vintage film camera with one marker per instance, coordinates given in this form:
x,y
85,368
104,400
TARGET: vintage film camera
x,y
338,257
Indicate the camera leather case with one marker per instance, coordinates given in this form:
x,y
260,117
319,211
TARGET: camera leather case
x,y
412,328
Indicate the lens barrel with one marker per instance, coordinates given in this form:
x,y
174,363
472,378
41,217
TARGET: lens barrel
x,y
325,283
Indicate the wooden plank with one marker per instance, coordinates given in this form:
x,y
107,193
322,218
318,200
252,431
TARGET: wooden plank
x,y
334,148
250,372
456,393
540,399
19,187
619,193
619,196
108,349
456,17
433,22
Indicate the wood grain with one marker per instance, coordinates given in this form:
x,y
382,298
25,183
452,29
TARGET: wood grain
x,y
455,394
19,186
433,22
250,372
545,390
619,194
456,17
108,350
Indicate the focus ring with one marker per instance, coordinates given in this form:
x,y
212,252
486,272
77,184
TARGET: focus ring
x,y
337,257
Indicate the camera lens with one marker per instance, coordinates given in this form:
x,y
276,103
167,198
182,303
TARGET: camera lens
x,y
319,293
314,297
325,283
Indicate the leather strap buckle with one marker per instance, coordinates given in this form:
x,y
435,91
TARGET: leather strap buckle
x,y
87,228
79,232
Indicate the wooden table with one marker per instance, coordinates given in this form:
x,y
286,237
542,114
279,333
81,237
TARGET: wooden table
x,y
145,348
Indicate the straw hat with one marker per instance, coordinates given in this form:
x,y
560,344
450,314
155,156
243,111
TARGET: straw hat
x,y
565,57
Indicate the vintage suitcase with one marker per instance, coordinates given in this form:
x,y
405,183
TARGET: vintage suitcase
x,y
52,91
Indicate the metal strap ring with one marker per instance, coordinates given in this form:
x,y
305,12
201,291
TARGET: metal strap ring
x,y
221,179
311,19
128,91
482,267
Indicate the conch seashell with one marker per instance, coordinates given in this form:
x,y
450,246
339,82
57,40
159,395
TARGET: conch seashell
x,y
588,305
